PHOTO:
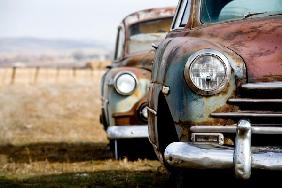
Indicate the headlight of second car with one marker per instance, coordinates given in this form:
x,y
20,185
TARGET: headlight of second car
x,y
207,72
125,83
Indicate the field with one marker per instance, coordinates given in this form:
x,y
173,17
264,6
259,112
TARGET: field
x,y
50,134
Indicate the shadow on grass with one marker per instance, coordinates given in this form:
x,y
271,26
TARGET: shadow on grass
x,y
97,179
146,179
73,152
56,152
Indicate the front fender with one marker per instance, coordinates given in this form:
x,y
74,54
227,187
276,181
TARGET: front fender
x,y
117,104
186,106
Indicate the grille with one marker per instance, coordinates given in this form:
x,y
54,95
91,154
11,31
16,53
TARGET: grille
x,y
261,103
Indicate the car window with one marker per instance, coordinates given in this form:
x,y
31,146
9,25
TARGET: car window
x,y
182,15
119,43
186,14
213,11
142,35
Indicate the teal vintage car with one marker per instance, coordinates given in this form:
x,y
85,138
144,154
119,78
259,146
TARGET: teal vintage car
x,y
125,85
215,99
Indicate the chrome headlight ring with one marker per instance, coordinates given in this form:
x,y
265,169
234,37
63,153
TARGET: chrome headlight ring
x,y
125,83
207,72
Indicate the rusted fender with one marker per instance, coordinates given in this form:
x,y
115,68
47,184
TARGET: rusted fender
x,y
187,107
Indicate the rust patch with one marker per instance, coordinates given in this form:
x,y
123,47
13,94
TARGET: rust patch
x,y
132,116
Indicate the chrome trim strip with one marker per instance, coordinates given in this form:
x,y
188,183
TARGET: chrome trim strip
x,y
152,111
241,100
263,85
242,152
247,114
267,130
213,129
232,129
127,132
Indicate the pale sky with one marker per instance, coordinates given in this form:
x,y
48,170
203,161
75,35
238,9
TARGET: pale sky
x,y
71,19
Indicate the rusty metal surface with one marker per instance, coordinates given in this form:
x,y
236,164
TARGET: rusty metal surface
x,y
123,110
142,60
253,48
148,14
260,66
258,41
131,117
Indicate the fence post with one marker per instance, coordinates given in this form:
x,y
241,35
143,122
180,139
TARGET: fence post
x,y
37,69
13,77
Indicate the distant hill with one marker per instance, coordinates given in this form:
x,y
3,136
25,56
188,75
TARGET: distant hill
x,y
25,44
45,52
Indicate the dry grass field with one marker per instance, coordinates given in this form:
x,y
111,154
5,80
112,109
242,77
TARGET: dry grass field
x,y
50,134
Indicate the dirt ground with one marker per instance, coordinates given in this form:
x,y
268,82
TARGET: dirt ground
x,y
50,136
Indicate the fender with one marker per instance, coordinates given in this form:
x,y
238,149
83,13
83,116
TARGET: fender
x,y
187,107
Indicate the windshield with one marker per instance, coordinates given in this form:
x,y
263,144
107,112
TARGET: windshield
x,y
142,35
213,11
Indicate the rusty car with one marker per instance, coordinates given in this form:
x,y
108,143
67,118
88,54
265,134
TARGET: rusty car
x,y
215,98
124,86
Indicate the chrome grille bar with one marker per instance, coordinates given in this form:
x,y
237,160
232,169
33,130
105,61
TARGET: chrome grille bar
x,y
247,100
263,86
232,129
243,114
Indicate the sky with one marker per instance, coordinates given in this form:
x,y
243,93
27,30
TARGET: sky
x,y
69,19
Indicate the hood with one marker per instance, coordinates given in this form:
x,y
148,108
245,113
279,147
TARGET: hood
x,y
258,41
141,60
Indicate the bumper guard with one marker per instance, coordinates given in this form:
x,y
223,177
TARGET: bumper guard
x,y
243,158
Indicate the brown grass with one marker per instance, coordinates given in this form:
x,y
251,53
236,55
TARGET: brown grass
x,y
50,136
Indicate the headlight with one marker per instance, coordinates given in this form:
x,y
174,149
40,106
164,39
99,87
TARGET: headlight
x,y
207,72
125,83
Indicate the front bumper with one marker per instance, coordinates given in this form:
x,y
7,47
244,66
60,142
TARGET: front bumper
x,y
128,132
243,157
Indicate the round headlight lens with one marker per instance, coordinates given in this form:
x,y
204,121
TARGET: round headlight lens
x,y
207,72
125,83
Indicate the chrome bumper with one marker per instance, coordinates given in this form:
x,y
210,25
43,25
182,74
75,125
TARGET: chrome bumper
x,y
242,158
127,132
